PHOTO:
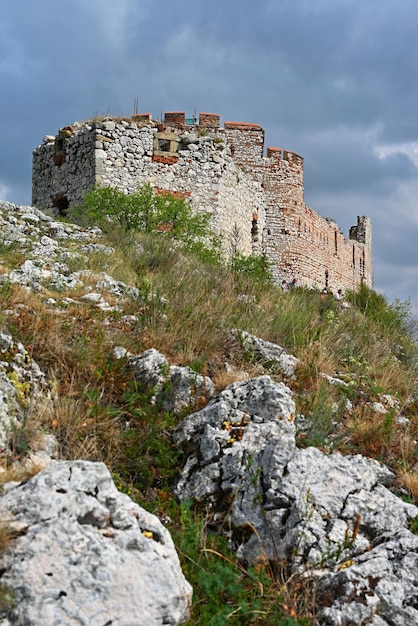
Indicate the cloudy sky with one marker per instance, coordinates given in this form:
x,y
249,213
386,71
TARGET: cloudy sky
x,y
333,80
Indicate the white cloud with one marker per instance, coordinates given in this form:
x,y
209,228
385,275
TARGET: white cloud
x,y
409,149
4,191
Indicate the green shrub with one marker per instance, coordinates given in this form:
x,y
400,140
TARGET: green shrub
x,y
224,592
148,212
253,267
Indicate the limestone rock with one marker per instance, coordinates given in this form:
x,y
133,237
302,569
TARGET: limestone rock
x,y
244,430
175,387
86,554
379,587
331,516
150,367
22,384
184,388
272,356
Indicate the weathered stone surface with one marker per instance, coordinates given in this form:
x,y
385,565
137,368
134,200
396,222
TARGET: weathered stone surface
x,y
246,428
379,587
150,367
22,384
337,505
271,355
86,554
319,513
184,388
175,387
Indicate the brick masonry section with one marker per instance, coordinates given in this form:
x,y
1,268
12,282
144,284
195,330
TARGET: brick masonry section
x,y
256,201
209,120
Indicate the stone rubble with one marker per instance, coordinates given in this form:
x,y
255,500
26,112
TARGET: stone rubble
x,y
48,246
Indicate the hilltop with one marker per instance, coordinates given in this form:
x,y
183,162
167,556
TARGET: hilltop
x,y
267,438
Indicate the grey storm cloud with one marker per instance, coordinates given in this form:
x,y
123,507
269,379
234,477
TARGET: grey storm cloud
x,y
335,81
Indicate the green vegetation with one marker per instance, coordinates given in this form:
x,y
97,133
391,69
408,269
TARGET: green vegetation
x,y
186,304
148,212
225,591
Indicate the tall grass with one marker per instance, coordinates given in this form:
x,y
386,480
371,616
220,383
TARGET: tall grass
x,y
186,306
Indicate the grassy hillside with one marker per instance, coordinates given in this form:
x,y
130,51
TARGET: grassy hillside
x,y
188,303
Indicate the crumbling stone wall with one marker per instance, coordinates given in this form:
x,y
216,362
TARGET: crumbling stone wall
x,y
256,202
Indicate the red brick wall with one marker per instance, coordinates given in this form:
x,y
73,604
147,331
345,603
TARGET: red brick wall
x,y
209,120
175,117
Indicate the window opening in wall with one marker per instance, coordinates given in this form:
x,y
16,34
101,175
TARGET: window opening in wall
x,y
164,145
326,279
254,228
59,150
336,242
354,257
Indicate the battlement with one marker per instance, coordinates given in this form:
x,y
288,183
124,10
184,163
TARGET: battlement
x,y
245,126
209,120
256,200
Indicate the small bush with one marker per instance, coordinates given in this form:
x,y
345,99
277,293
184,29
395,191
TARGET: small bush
x,y
394,318
148,212
253,267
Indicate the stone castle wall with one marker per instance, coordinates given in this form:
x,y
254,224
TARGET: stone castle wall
x,y
125,154
256,201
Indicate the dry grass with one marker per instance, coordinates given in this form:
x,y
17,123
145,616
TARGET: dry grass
x,y
6,535
409,480
81,433
186,310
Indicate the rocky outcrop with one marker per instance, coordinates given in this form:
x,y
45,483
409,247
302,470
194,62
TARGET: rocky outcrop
x,y
331,516
174,388
49,246
22,386
273,357
83,553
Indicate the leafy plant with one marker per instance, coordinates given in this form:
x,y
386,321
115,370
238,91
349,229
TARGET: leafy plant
x,y
148,212
253,267
225,591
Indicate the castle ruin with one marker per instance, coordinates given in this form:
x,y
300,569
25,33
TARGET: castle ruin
x,y
256,200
